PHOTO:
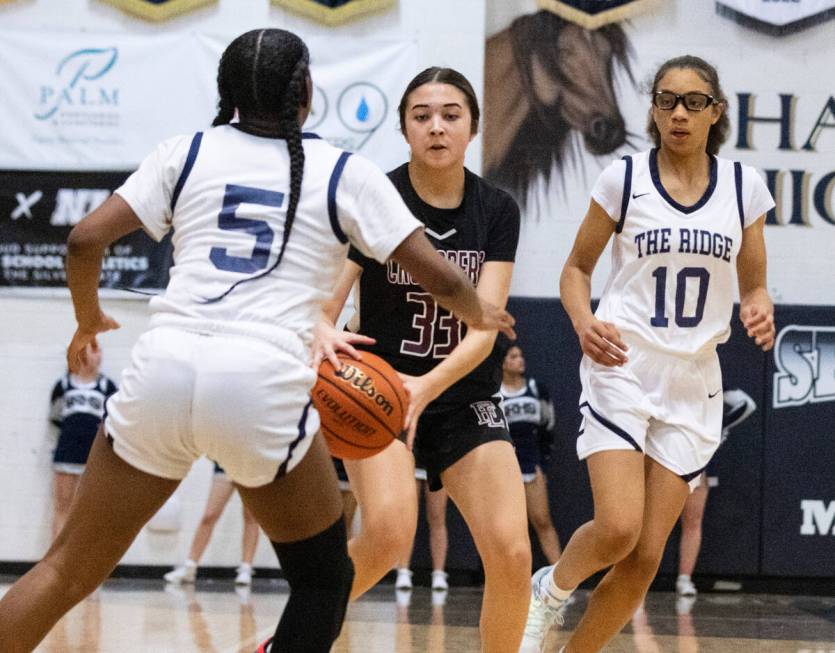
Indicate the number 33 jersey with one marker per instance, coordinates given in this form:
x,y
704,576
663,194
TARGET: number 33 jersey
x,y
225,194
413,333
673,278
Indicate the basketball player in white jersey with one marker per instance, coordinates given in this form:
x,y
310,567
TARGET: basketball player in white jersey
x,y
262,222
684,224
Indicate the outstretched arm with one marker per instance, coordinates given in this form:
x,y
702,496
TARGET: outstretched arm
x,y
450,287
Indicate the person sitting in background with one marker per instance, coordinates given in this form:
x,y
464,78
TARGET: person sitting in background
x,y
77,400
219,495
530,416
737,406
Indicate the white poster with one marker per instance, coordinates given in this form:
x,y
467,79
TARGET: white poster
x,y
565,102
88,101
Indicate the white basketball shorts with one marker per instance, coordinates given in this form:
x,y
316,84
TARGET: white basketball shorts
x,y
665,406
242,401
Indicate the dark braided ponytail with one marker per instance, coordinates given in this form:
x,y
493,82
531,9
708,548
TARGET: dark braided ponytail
x,y
264,74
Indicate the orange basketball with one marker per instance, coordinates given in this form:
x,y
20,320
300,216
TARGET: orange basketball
x,y
362,406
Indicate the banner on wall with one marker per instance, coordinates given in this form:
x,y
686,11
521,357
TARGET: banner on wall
x,y
87,101
592,14
334,12
798,536
563,101
357,86
37,212
158,9
91,101
777,18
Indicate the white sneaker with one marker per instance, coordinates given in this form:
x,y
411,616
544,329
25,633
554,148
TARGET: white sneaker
x,y
185,573
684,605
244,593
544,612
404,579
439,581
439,598
403,598
685,586
245,574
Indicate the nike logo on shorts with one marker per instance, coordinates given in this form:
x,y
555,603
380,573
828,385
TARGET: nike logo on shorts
x,y
711,396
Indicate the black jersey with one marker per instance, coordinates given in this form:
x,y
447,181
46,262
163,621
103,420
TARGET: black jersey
x,y
77,409
413,333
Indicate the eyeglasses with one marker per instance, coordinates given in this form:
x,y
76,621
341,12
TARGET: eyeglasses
x,y
668,101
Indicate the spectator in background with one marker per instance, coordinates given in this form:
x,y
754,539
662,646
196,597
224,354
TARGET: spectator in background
x,y
438,538
530,416
77,409
219,495
737,406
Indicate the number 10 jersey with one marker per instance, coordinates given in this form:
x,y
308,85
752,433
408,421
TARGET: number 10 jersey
x,y
672,283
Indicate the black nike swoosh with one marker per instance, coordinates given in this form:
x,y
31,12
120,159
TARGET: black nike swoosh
x,y
714,394
634,196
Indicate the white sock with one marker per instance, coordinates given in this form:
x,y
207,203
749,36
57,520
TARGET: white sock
x,y
190,563
682,577
554,590
245,565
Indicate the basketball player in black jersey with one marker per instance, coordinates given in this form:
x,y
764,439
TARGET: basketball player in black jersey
x,y
455,422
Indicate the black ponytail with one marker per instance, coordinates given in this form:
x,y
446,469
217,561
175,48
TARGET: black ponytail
x,y
265,73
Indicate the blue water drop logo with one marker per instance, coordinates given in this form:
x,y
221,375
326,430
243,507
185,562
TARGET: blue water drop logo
x,y
363,110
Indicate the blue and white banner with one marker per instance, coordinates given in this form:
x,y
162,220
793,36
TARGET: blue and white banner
x,y
777,18
88,101
91,101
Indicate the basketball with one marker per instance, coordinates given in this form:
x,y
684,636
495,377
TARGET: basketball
x,y
362,406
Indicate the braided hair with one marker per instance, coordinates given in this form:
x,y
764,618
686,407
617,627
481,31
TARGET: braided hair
x,y
263,73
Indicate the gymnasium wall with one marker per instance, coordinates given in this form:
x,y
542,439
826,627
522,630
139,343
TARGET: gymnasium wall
x,y
37,326
775,496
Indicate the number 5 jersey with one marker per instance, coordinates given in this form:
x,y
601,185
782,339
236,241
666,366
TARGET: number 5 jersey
x,y
225,194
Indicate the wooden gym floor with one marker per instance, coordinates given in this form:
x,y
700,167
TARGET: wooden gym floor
x,y
128,616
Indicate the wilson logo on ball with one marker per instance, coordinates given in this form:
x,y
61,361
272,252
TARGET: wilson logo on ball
x,y
365,384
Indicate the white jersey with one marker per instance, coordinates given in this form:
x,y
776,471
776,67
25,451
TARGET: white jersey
x,y
673,279
225,194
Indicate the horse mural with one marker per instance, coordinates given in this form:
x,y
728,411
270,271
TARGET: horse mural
x,y
545,77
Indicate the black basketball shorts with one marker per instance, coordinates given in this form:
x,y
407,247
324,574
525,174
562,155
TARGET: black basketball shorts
x,y
447,432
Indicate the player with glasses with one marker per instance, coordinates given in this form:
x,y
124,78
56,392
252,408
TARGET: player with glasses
x,y
693,101
686,227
